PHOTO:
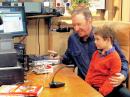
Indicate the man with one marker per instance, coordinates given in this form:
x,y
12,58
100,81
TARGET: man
x,y
81,46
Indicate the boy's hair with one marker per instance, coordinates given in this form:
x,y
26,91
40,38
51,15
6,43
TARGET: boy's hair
x,y
105,32
85,11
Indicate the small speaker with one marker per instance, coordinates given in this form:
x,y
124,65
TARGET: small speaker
x,y
11,75
8,59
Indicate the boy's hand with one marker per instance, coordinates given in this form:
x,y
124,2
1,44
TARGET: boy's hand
x,y
117,79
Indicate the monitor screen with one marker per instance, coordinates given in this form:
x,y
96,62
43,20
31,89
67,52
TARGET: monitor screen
x,y
14,21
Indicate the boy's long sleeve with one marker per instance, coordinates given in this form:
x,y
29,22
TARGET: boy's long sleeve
x,y
106,88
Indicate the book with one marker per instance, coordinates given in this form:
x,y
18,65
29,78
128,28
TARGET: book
x,y
20,90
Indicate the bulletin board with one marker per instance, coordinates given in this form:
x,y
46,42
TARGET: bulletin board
x,y
98,4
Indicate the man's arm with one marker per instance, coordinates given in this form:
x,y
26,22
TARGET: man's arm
x,y
120,77
67,58
124,67
117,79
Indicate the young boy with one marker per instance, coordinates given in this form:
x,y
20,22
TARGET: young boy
x,y
105,61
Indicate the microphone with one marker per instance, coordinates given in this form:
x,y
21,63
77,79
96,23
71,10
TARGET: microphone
x,y
1,21
55,84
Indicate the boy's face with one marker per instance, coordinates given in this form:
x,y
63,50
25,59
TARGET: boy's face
x,y
100,42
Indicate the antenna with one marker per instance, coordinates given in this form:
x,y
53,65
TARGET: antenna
x,y
1,21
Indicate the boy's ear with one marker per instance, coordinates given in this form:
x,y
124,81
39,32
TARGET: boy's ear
x,y
108,39
89,20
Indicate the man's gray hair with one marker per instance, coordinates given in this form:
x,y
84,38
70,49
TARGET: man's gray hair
x,y
85,11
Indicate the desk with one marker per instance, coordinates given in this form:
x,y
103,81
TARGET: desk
x,y
74,86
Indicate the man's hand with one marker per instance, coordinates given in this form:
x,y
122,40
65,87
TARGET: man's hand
x,y
117,79
53,55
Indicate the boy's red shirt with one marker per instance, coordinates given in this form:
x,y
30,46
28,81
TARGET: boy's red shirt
x,y
101,69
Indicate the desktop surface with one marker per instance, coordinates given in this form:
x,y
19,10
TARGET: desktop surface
x,y
74,86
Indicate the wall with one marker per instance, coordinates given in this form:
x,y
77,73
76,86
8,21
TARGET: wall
x,y
125,10
59,41
36,44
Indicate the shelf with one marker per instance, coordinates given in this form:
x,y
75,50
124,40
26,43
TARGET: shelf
x,y
40,16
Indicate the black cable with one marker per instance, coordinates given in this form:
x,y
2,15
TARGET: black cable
x,y
55,84
36,35
38,38
21,40
57,72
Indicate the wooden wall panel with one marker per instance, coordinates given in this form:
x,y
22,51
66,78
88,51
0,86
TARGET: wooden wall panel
x,y
125,10
59,41
33,42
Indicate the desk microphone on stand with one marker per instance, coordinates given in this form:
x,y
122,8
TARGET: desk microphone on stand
x,y
55,84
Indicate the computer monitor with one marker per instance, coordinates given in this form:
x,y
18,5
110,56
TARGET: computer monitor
x,y
14,20
14,25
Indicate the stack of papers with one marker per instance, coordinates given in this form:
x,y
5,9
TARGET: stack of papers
x,y
42,62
